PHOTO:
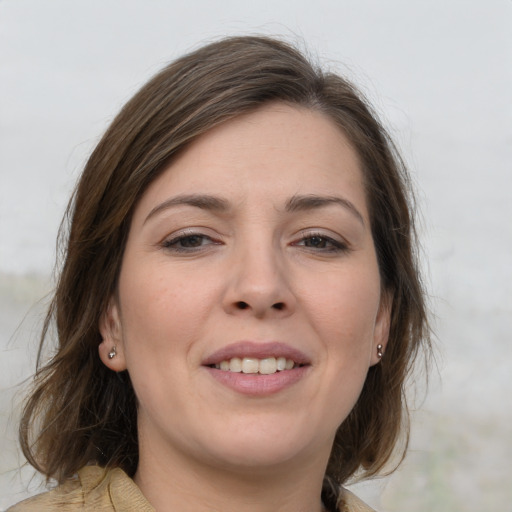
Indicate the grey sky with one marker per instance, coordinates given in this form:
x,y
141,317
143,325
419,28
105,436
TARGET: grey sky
x,y
438,71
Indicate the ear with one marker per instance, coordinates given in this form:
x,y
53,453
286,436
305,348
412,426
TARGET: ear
x,y
111,348
382,325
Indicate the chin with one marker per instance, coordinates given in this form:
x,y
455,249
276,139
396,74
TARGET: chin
x,y
252,459
263,446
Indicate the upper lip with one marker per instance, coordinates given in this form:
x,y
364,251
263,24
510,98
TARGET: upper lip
x,y
258,350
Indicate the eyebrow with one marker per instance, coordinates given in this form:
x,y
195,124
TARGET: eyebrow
x,y
205,202
311,202
220,205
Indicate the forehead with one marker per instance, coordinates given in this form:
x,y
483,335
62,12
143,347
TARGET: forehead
x,y
274,152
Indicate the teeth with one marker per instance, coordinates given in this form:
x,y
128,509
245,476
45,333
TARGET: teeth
x,y
234,365
265,366
268,366
281,363
250,365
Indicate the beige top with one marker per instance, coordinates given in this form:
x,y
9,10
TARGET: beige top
x,y
113,491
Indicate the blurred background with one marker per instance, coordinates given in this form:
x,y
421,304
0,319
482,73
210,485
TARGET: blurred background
x,y
439,73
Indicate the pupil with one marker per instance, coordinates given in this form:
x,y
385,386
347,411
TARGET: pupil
x,y
192,241
316,241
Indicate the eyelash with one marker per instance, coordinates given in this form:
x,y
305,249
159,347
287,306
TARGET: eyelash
x,y
333,245
172,244
336,245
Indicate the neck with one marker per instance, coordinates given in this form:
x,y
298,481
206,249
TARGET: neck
x,y
187,486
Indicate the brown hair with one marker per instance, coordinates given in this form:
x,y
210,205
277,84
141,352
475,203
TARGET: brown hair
x,y
80,411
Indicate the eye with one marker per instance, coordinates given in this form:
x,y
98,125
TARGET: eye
x,y
188,242
319,242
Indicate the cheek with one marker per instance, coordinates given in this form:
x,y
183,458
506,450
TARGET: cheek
x,y
344,306
159,324
164,310
344,321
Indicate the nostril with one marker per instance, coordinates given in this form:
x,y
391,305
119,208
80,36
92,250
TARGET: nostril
x,y
244,305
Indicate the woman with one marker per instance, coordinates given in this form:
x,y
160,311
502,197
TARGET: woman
x,y
239,303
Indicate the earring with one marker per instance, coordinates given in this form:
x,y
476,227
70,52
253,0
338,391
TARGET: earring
x,y
112,353
379,351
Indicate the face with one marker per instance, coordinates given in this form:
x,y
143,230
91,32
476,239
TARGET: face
x,y
249,302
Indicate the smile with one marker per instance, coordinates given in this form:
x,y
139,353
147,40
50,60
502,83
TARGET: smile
x,y
266,366
257,369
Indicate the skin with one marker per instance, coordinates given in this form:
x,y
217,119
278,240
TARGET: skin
x,y
255,270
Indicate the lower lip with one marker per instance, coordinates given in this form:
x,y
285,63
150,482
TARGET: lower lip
x,y
256,384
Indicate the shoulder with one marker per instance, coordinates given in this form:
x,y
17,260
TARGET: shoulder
x,y
353,504
93,489
66,497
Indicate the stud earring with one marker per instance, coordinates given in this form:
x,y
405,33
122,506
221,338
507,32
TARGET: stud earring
x,y
379,351
112,353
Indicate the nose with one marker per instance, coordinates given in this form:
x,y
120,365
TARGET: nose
x,y
259,285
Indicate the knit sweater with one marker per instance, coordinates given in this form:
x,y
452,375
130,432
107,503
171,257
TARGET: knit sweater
x,y
100,490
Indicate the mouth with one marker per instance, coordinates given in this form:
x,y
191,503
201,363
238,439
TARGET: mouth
x,y
253,365
256,357
257,367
